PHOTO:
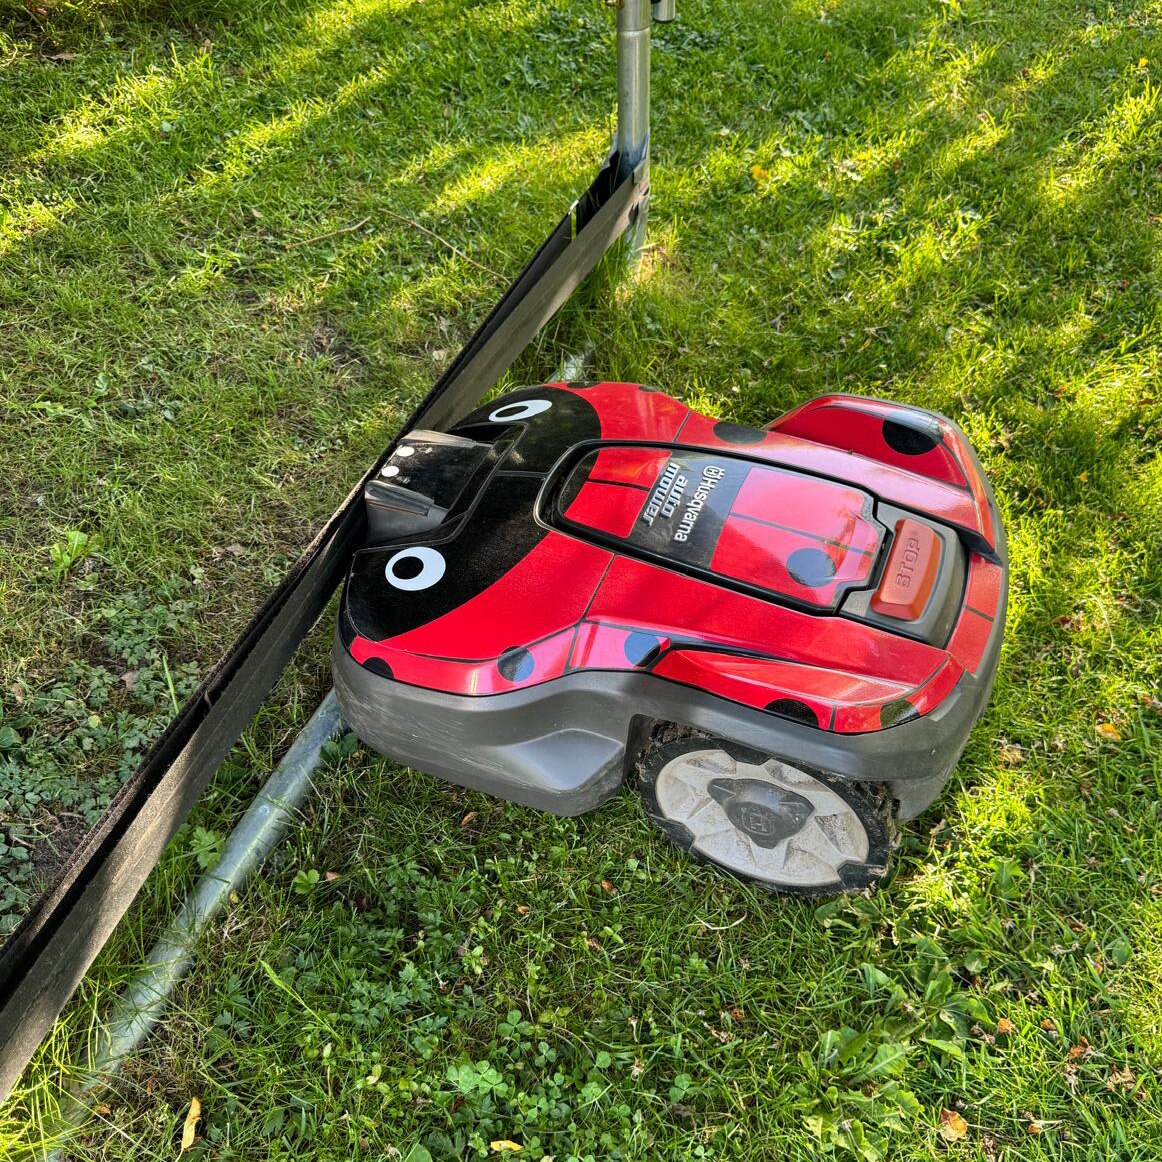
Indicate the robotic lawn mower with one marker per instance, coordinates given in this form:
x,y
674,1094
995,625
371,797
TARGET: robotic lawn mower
x,y
789,632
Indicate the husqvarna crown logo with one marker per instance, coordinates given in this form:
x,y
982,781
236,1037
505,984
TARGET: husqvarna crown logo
x,y
669,495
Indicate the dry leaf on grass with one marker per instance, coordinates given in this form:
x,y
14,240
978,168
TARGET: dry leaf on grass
x,y
1005,1026
1120,1079
723,1036
503,1145
1109,730
952,1126
190,1128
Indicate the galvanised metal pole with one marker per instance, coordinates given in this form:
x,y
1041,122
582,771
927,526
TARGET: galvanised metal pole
x,y
633,82
632,142
142,1005
263,825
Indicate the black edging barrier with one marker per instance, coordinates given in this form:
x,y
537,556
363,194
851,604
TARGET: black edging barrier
x,y
46,957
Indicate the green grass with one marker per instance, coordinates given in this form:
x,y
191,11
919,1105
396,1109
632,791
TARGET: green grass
x,y
216,304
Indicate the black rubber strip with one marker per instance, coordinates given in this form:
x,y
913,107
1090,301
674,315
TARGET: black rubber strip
x,y
46,957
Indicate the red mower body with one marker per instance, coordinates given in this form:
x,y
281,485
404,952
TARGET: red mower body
x,y
582,562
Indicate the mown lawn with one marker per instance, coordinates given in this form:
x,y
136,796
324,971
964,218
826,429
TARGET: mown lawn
x,y
238,240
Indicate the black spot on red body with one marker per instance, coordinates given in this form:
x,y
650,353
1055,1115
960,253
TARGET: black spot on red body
x,y
811,567
730,433
914,437
378,666
516,665
894,713
641,648
793,709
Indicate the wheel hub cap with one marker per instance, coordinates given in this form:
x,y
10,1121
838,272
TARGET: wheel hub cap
x,y
770,821
767,813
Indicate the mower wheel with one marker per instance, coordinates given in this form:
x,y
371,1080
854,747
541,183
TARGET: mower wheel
x,y
783,827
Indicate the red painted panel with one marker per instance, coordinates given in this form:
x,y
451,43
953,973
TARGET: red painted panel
x,y
699,430
740,680
626,412
858,719
758,553
603,647
858,427
760,681
609,508
456,677
943,501
820,508
550,657
639,466
668,603
984,585
543,593
933,693
977,486
969,639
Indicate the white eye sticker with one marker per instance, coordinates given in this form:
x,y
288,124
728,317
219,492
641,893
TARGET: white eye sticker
x,y
413,569
524,410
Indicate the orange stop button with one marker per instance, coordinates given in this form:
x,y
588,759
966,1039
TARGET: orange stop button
x,y
912,568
